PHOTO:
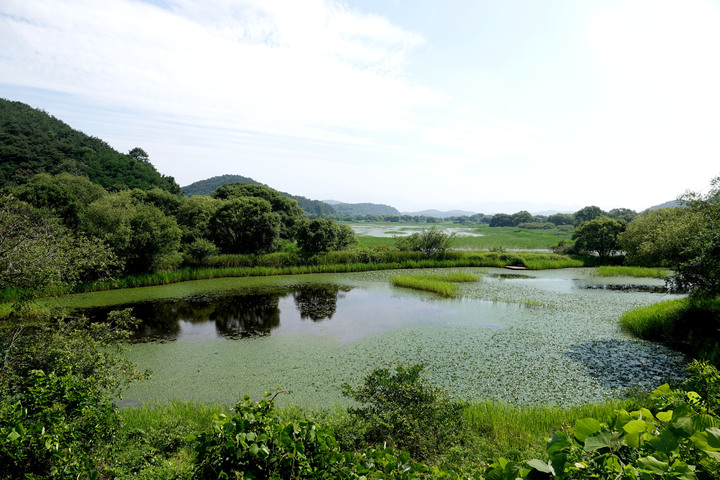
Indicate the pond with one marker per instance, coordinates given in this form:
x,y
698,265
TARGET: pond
x,y
548,337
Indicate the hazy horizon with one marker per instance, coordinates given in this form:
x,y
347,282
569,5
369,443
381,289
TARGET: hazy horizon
x,y
416,104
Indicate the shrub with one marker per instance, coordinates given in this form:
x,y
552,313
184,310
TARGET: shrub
x,y
399,408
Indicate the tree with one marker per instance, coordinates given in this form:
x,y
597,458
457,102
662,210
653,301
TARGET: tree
x,y
501,220
623,214
599,235
428,241
561,219
194,215
522,217
37,253
321,235
140,155
142,236
290,213
245,225
659,237
699,268
588,213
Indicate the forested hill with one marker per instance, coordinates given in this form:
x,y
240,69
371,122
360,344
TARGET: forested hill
x,y
32,141
313,208
365,209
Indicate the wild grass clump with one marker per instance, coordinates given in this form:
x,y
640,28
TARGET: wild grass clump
x,y
518,433
418,282
637,272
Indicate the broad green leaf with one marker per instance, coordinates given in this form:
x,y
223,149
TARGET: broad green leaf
x,y
703,421
597,441
541,466
662,391
666,442
665,416
586,427
682,426
653,465
637,426
558,443
13,436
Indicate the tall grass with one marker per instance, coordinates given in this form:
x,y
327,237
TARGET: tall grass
x,y
333,262
689,324
519,433
638,272
418,282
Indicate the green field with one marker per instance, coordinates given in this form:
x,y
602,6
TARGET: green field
x,y
478,236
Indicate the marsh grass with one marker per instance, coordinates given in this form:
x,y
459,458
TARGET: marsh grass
x,y
418,282
153,439
336,262
638,272
687,324
443,284
523,302
519,433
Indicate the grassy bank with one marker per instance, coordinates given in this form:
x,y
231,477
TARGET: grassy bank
x,y
153,440
690,325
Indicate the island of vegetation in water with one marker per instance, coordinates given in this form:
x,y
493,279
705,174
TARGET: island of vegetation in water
x,y
75,215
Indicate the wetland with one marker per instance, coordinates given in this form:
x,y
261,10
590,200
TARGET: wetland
x,y
531,338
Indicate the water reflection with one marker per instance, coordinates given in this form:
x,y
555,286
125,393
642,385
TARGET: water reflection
x,y
234,314
318,302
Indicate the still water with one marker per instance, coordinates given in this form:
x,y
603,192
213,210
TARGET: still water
x,y
538,337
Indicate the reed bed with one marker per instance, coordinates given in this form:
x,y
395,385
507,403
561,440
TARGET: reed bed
x,y
637,272
515,432
419,282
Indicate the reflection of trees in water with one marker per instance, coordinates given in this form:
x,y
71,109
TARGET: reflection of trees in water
x,y
317,302
246,315
234,315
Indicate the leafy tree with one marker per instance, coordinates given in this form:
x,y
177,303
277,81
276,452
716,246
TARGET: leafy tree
x,y
659,237
52,199
288,210
194,215
139,154
599,235
36,253
143,237
501,220
588,213
562,219
321,235
522,217
428,240
699,268
624,214
245,225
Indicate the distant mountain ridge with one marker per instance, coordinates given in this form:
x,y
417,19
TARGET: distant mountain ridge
x,y
313,208
440,214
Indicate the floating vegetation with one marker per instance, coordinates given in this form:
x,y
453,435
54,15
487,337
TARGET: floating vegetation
x,y
523,302
629,288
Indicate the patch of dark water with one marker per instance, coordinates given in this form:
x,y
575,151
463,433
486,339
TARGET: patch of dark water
x,y
629,288
621,365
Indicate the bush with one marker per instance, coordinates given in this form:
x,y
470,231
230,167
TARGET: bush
x,y
400,409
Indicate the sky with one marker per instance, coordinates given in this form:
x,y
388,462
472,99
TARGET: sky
x,y
479,105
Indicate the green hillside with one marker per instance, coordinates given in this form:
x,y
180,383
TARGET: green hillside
x,y
313,208
32,141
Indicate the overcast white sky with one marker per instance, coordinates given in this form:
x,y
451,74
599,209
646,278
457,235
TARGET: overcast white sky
x,y
479,105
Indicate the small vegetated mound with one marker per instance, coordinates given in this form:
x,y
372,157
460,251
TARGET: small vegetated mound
x,y
688,324
637,272
443,284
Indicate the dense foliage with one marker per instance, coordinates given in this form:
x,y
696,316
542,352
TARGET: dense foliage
x,y
428,241
32,142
